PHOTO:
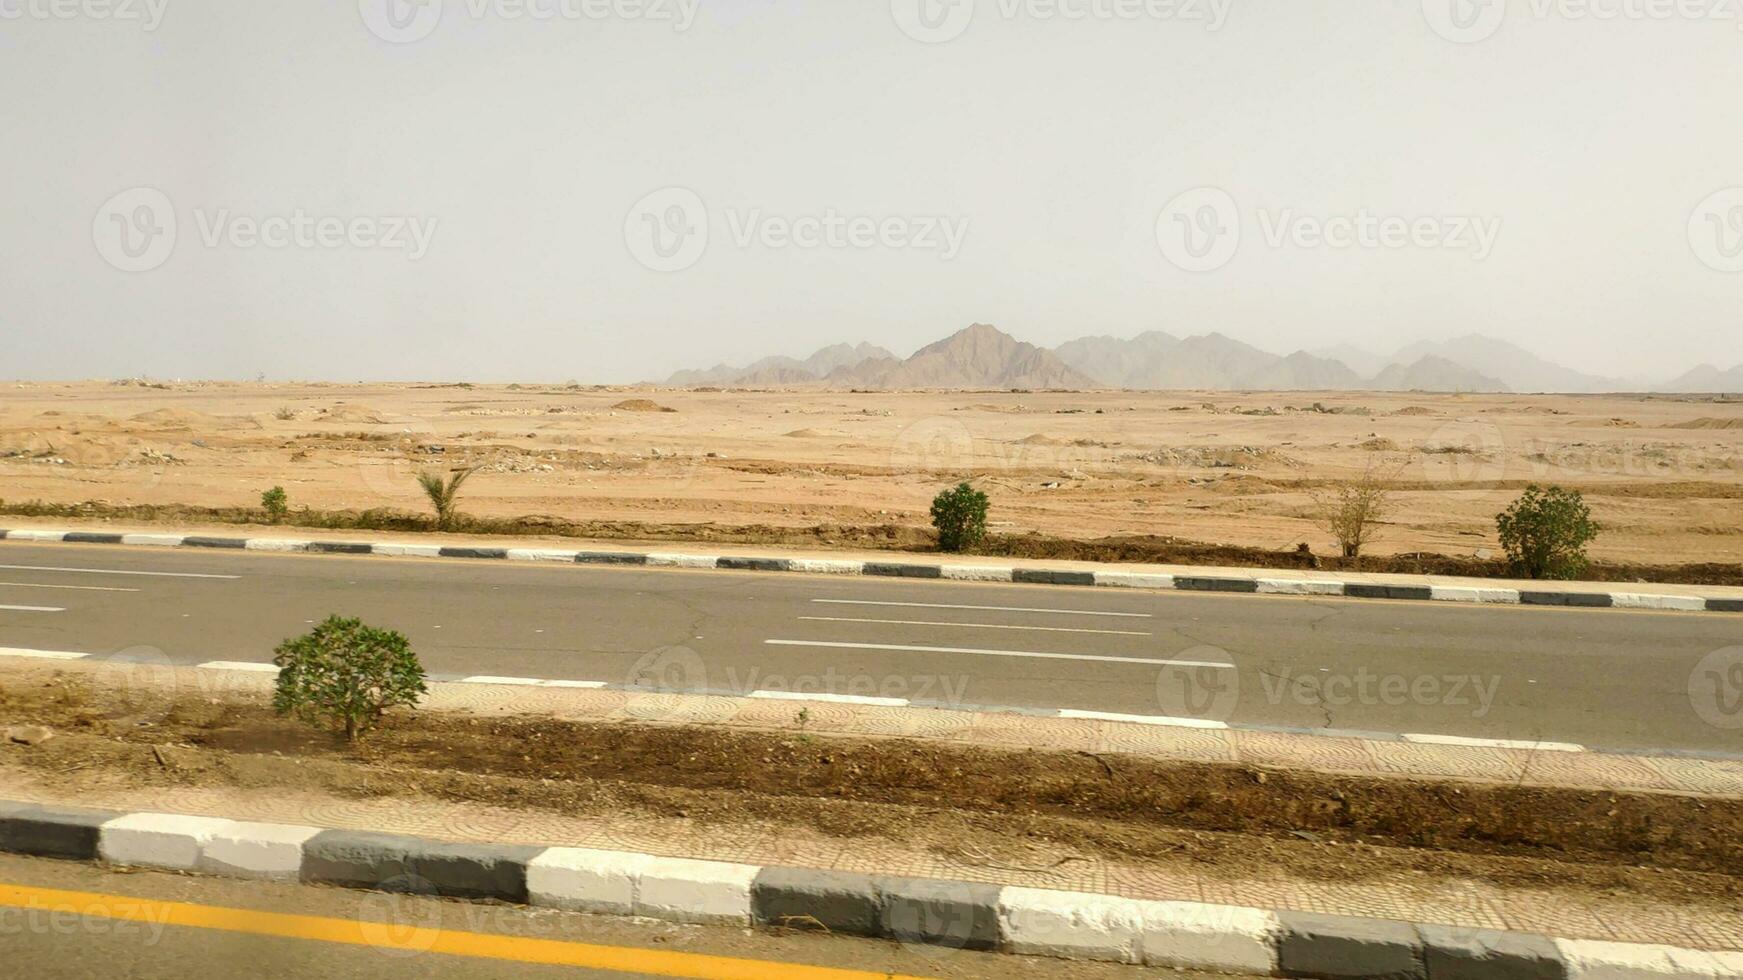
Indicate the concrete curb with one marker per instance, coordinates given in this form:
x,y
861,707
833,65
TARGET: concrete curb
x,y
949,914
1256,583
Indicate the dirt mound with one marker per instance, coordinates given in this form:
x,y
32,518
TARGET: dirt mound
x,y
1709,423
170,418
352,412
803,434
1379,444
1039,439
1415,410
641,405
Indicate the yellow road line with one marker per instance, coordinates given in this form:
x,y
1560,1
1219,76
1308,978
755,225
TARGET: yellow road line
x,y
362,932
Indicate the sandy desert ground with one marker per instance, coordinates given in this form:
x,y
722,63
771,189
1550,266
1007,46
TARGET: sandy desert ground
x,y
1661,472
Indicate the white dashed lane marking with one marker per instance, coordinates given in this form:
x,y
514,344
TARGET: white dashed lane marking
x,y
115,571
1017,609
1095,658
969,626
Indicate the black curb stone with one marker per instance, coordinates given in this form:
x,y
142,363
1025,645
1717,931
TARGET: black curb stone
x,y
1725,605
204,542
91,537
609,558
1362,590
952,914
389,862
1216,584
340,548
754,564
903,571
1589,600
491,553
57,832
3,535
1485,954
1040,576
1328,947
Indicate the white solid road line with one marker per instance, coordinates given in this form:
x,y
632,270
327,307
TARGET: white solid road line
x,y
831,698
998,653
42,654
1145,719
116,571
33,608
1019,609
1492,743
970,626
79,588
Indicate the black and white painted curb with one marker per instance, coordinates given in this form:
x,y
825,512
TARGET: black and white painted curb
x,y
1106,578
947,914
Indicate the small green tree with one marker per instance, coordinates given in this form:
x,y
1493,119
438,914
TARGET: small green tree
x,y
1546,531
959,514
276,504
343,672
444,494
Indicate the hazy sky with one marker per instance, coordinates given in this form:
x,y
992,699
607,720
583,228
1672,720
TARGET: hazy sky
x,y
608,190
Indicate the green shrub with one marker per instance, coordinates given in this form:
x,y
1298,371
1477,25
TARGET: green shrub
x,y
1546,531
959,514
276,504
346,673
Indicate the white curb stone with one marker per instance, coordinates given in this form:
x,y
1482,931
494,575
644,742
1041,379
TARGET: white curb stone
x,y
1593,960
1133,580
682,561
407,550
158,540
818,566
157,840
696,892
579,879
1449,593
36,535
1223,938
256,850
274,544
1071,925
975,573
1634,600
1291,586
1165,721
541,554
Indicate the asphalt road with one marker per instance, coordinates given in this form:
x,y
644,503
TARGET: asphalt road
x,y
1604,678
131,929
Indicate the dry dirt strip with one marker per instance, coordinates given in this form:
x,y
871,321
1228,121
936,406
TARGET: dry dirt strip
x,y
949,914
1108,577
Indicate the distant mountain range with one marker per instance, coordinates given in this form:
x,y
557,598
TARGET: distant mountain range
x,y
982,356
